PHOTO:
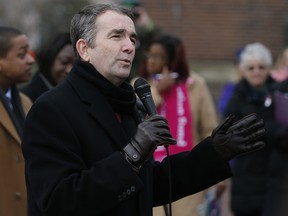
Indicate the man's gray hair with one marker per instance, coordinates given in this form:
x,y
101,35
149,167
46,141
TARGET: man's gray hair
x,y
83,24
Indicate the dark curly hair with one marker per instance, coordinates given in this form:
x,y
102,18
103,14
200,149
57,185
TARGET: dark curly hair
x,y
175,51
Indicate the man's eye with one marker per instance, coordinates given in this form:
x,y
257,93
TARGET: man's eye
x,y
115,36
133,41
22,55
64,62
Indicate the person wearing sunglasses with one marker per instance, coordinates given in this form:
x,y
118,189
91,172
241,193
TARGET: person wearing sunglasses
x,y
252,185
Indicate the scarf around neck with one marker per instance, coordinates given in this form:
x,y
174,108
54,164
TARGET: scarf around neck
x,y
122,98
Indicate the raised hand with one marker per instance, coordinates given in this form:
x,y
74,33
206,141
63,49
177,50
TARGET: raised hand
x,y
231,139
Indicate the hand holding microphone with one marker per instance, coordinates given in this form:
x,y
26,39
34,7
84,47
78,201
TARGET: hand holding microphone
x,y
152,132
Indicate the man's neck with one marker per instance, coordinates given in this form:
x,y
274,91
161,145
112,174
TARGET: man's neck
x,y
4,87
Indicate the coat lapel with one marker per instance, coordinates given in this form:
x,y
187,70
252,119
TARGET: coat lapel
x,y
110,123
7,123
103,114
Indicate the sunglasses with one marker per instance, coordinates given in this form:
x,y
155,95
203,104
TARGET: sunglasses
x,y
259,67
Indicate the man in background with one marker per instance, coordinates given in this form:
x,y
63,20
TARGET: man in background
x,y
15,68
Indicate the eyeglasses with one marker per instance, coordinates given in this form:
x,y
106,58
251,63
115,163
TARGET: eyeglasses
x,y
259,67
159,76
157,58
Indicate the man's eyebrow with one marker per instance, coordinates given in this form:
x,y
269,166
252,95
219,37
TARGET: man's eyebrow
x,y
24,47
120,31
116,31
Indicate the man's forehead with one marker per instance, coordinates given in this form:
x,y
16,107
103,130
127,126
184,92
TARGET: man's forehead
x,y
115,20
20,42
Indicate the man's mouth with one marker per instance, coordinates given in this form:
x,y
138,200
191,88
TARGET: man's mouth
x,y
127,61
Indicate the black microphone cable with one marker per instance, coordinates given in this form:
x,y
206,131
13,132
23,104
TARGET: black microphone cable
x,y
169,212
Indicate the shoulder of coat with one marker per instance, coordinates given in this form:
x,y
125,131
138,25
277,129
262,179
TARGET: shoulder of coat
x,y
195,79
26,102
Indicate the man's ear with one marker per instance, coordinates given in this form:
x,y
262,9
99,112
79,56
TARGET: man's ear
x,y
82,49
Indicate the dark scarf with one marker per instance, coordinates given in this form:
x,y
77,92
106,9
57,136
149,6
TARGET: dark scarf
x,y
122,98
253,95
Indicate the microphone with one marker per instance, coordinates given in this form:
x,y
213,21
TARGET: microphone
x,y
142,89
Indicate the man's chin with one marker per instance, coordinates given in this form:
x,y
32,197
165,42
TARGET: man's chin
x,y
124,73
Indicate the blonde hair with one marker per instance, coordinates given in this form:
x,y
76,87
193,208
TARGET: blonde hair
x,y
280,60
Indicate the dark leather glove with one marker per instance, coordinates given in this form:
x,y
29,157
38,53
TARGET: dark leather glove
x,y
150,133
231,139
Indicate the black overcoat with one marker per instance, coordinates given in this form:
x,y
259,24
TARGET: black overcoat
x,y
72,142
255,174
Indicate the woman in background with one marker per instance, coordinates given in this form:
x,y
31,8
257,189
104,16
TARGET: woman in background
x,y
251,182
54,59
184,99
280,73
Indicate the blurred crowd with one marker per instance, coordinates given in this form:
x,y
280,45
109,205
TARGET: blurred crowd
x,y
259,186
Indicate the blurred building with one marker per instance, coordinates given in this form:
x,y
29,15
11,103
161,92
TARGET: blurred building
x,y
213,30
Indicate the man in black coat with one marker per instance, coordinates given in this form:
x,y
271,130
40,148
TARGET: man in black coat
x,y
87,151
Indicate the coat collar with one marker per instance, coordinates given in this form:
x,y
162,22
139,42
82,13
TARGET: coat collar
x,y
7,123
107,118
99,108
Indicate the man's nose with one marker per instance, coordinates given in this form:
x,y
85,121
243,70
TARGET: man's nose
x,y
129,46
30,59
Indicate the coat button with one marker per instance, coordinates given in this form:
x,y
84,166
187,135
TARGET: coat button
x,y
132,188
18,195
120,198
18,159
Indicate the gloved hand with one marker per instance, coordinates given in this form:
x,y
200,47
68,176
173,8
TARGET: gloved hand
x,y
150,133
231,139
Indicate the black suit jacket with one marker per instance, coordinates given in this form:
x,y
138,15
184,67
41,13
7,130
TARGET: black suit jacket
x,y
71,144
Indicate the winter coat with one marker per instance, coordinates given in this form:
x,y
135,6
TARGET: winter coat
x,y
74,164
13,201
251,172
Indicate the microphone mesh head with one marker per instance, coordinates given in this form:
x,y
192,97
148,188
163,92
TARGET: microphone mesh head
x,y
141,87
